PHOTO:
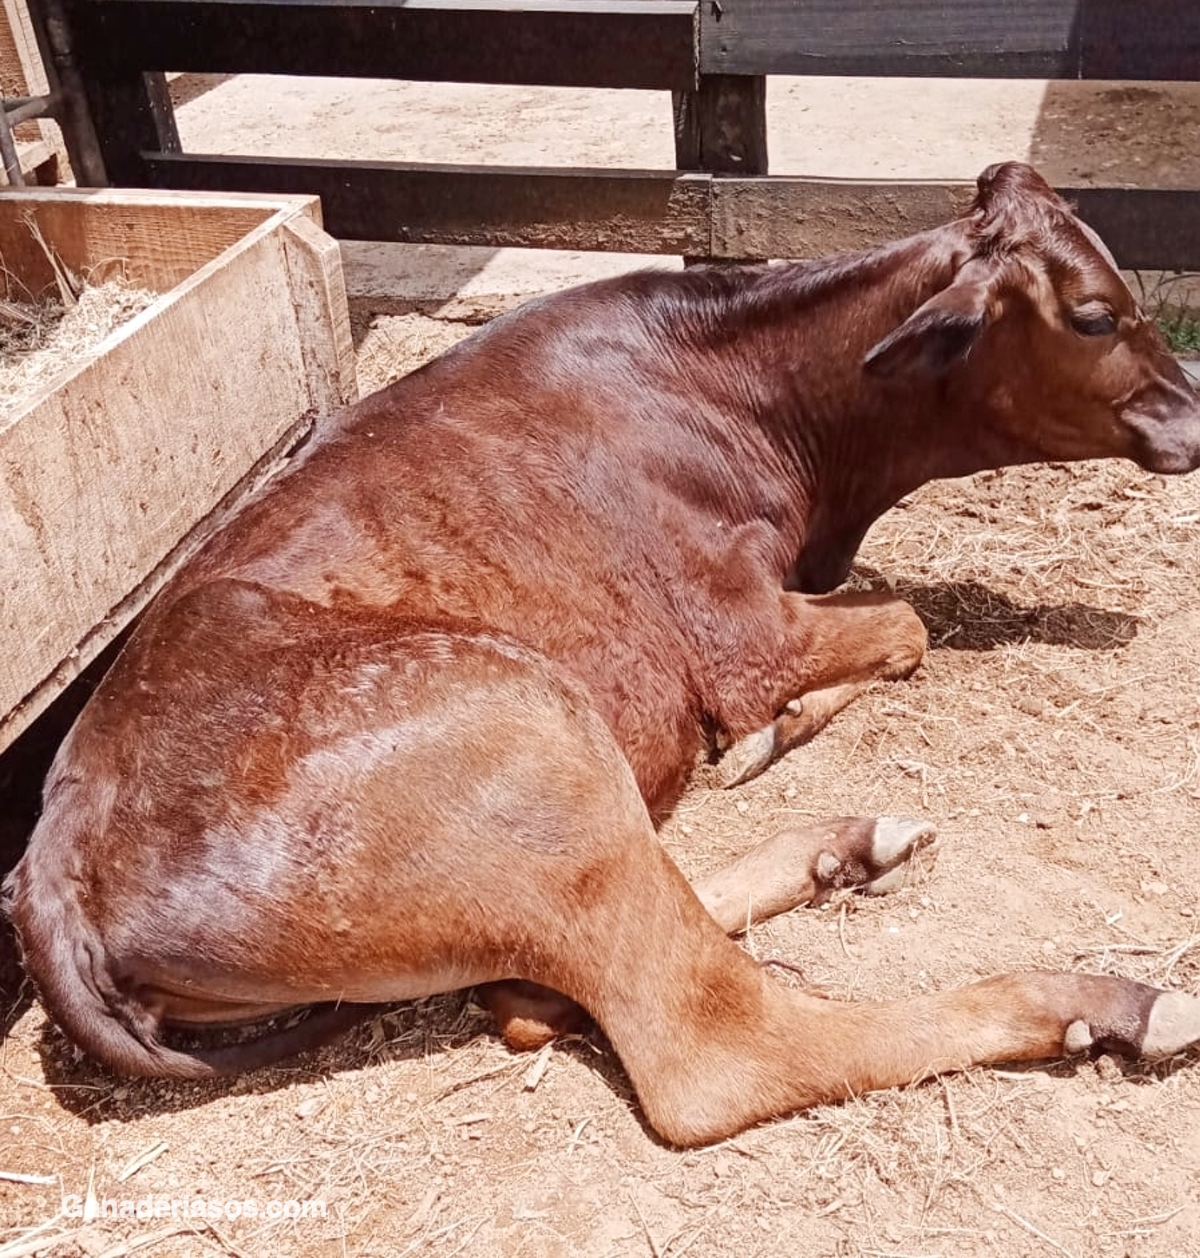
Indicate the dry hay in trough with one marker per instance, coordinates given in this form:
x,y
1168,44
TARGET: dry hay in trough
x,y
39,340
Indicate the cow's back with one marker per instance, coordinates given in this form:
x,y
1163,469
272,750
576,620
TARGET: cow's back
x,y
550,486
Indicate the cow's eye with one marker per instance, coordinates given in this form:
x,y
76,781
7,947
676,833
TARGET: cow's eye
x,y
1094,322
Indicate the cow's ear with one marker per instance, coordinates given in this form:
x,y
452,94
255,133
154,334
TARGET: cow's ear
x,y
936,335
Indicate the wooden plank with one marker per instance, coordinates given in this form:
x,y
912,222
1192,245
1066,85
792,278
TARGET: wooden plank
x,y
722,126
1148,229
690,214
626,211
150,241
130,111
105,471
128,104
781,217
21,72
1149,39
1056,39
601,43
13,81
55,39
811,218
986,38
16,721
314,263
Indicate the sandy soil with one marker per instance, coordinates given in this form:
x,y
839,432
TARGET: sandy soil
x,y
1053,733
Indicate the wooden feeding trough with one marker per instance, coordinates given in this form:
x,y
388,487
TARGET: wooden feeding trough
x,y
119,467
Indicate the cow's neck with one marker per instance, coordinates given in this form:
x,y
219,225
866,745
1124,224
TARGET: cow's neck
x,y
854,445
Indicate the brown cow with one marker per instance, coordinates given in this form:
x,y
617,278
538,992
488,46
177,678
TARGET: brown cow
x,y
404,725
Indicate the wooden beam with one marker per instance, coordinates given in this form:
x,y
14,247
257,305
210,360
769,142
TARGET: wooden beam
x,y
127,107
21,72
55,39
1146,228
1053,39
130,111
552,208
1152,229
994,38
662,211
722,126
784,217
584,43
1149,39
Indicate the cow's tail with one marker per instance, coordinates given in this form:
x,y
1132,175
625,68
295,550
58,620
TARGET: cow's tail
x,y
65,956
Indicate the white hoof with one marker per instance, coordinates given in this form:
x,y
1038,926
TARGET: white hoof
x,y
899,838
896,841
1173,1025
748,757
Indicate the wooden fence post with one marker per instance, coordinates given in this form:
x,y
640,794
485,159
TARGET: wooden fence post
x,y
721,128
107,116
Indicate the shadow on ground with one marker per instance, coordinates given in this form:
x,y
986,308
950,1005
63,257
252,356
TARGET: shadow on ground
x,y
969,616
413,1030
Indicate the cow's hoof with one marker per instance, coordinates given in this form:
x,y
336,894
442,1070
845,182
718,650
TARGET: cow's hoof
x,y
1169,1025
528,1016
748,757
888,862
1174,1025
897,840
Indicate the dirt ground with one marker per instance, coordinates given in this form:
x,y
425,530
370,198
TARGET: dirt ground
x,y
1053,734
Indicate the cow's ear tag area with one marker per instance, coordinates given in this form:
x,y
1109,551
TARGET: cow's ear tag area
x,y
935,336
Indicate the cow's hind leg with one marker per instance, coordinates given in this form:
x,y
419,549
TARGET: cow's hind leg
x,y
542,864
711,1041
713,1044
798,866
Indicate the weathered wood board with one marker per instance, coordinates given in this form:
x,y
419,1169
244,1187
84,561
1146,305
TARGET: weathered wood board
x,y
627,211
693,213
647,44
1040,39
122,465
21,72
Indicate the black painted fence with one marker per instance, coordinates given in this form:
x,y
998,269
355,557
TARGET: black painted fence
x,y
109,59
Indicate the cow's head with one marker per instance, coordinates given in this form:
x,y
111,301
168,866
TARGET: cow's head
x,y
1038,323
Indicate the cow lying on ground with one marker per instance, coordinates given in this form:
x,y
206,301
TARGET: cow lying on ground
x,y
406,724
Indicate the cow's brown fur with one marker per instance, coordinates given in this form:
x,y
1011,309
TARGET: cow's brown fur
x,y
404,725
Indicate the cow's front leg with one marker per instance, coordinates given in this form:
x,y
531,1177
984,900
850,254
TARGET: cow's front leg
x,y
840,644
